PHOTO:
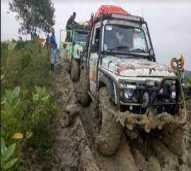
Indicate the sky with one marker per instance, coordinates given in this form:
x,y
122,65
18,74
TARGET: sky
x,y
169,22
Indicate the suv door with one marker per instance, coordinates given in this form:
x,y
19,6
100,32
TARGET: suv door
x,y
93,59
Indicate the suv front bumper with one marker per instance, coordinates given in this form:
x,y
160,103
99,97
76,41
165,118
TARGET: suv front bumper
x,y
149,120
158,94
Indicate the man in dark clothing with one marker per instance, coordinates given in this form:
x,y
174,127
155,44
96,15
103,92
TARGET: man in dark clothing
x,y
47,41
71,21
69,25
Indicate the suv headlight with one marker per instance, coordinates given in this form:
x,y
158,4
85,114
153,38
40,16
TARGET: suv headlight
x,y
150,83
126,85
128,93
128,90
130,86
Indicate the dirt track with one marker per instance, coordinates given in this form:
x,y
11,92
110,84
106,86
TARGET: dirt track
x,y
74,146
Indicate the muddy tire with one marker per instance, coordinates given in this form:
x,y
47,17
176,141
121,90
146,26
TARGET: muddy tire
x,y
83,96
75,70
110,132
67,67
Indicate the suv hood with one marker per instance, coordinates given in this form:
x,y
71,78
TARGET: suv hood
x,y
135,67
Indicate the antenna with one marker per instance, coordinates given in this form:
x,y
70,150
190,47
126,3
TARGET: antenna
x,y
142,13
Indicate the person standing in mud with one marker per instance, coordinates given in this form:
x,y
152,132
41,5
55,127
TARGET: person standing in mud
x,y
47,41
47,45
53,49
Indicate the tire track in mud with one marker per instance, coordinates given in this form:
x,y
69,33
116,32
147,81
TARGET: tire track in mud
x,y
75,131
71,152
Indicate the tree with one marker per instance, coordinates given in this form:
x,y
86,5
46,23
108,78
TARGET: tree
x,y
33,14
189,82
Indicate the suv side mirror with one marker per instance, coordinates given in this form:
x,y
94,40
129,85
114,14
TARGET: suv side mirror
x,y
151,52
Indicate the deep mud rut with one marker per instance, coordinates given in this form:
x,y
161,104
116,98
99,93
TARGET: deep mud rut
x,y
75,131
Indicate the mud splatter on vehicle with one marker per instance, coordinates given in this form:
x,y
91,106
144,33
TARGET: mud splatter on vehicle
x,y
120,74
122,89
77,127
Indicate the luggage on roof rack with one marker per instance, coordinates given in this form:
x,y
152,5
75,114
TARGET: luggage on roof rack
x,y
109,10
115,12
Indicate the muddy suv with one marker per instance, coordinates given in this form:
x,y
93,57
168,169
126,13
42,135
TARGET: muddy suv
x,y
120,73
72,47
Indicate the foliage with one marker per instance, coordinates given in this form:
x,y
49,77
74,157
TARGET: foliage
x,y
31,117
24,60
11,113
8,159
187,88
189,81
41,121
4,50
34,14
27,108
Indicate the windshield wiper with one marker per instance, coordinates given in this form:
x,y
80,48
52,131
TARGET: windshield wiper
x,y
134,52
115,49
120,47
138,50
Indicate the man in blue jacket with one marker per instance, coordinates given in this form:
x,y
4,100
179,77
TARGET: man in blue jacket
x,y
53,49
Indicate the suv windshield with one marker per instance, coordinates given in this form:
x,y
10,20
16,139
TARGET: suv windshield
x,y
80,36
124,39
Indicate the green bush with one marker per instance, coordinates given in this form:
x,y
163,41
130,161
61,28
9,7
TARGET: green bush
x,y
11,113
27,67
42,116
187,88
30,115
189,82
4,52
8,158
27,108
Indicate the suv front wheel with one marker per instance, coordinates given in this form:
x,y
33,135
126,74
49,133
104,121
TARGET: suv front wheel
x,y
75,70
110,131
82,95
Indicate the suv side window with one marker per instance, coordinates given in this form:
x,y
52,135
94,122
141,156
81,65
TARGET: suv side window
x,y
96,38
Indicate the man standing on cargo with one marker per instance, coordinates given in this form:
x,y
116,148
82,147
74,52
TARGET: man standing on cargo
x,y
71,21
53,49
70,24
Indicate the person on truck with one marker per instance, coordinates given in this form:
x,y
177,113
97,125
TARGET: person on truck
x,y
53,46
71,23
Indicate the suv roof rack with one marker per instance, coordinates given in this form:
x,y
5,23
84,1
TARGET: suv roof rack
x,y
128,17
115,12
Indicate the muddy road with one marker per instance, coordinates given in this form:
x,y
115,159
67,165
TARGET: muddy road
x,y
74,148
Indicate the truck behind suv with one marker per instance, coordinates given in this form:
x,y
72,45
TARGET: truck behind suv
x,y
72,47
120,73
